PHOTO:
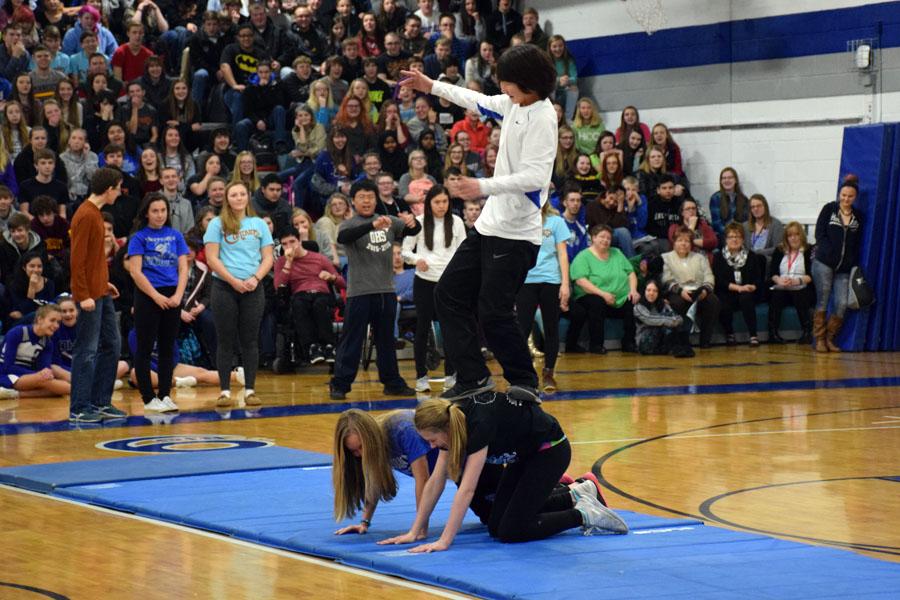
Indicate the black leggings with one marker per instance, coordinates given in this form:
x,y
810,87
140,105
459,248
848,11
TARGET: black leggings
x,y
423,297
732,302
545,295
154,325
528,504
237,317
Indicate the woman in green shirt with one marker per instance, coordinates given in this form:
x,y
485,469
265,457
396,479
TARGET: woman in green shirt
x,y
605,286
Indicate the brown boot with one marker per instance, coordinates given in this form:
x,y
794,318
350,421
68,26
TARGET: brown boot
x,y
831,330
548,380
819,331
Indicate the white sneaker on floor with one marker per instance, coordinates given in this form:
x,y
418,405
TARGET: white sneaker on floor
x,y
170,404
7,393
239,375
598,517
118,384
185,382
156,405
449,381
422,384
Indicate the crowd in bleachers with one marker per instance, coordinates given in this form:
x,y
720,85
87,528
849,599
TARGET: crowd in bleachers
x,y
299,99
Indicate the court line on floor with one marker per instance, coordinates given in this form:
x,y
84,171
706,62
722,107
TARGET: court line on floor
x,y
597,468
736,434
230,540
336,407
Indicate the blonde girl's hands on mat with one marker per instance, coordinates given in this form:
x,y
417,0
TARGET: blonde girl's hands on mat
x,y
360,528
437,546
407,538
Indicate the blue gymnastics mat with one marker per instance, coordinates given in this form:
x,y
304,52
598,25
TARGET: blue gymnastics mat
x,y
46,478
290,508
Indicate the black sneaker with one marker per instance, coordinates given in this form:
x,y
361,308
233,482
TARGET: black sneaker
x,y
329,354
315,354
111,412
464,389
336,393
524,393
401,390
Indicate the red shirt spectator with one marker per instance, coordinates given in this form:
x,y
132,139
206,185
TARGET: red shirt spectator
x,y
479,133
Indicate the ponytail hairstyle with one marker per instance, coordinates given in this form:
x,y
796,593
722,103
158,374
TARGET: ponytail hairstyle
x,y
442,415
365,479
428,220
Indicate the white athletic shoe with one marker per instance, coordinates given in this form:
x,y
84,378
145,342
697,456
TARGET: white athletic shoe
x,y
583,489
118,384
185,382
449,381
598,517
422,384
170,404
7,393
239,375
156,405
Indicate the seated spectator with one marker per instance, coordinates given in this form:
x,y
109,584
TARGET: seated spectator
x,y
23,93
389,120
471,213
348,51
587,125
138,117
636,207
335,168
333,76
29,288
502,24
663,140
379,91
393,159
14,131
52,228
631,121
451,73
80,164
7,210
131,154
425,118
416,182
237,63
309,41
356,125
57,129
89,20
206,47
309,141
729,203
371,38
43,183
221,147
245,171
606,145
129,59
435,63
531,29
609,209
14,56
181,213
705,240
197,186
100,114
790,278
297,84
263,110
53,40
80,60
125,208
660,330
489,163
587,179
477,131
314,240
633,149
309,277
653,169
566,155
411,38
27,357
662,211
150,172
605,285
64,342
389,203
44,78
181,111
337,210
392,16
762,232
157,84
428,20
573,216
393,60
611,168
371,166
447,112
267,200
739,275
687,280
434,160
481,68
25,165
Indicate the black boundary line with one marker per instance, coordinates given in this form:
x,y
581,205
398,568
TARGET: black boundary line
x,y
706,510
598,465
28,588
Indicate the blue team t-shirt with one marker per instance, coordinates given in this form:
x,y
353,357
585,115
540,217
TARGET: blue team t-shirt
x,y
406,443
241,253
63,344
546,269
160,249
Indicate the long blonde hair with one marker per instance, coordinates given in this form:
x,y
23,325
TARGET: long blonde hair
x,y
231,222
442,415
299,212
363,480
253,183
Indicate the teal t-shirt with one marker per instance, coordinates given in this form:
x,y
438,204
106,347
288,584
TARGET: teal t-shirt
x,y
241,253
546,269
610,275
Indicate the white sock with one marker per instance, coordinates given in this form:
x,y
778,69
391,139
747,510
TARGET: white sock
x,y
248,391
226,393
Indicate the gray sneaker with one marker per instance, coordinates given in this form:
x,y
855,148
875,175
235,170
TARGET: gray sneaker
x,y
467,390
524,393
597,517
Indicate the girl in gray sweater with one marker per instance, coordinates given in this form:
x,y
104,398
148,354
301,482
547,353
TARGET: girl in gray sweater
x,y
660,330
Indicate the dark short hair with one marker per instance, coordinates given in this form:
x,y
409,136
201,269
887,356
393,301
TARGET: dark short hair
x,y
44,154
43,205
665,178
289,232
614,188
364,185
600,227
5,192
269,179
528,67
568,188
105,178
113,149
19,220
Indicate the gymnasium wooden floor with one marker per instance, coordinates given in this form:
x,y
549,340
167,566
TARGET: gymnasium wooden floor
x,y
774,439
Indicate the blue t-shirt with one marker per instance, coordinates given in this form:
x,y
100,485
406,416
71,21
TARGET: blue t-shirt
x,y
160,249
406,443
578,238
241,253
546,269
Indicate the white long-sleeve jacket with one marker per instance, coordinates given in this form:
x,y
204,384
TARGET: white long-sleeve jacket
x,y
521,182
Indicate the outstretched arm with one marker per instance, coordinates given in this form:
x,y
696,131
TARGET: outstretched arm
x,y
488,106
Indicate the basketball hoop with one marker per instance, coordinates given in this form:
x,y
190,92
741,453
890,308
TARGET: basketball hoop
x,y
647,13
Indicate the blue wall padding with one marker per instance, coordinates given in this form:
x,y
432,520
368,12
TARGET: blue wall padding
x,y
765,38
662,557
45,478
872,152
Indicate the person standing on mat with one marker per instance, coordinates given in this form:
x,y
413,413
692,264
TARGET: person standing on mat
x,y
492,429
239,252
158,263
95,355
490,266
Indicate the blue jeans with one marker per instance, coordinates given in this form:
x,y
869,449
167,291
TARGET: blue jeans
x,y
174,42
826,281
234,100
198,86
622,240
95,356
302,173
246,127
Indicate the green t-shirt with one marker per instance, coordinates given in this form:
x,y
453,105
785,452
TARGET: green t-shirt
x,y
610,275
